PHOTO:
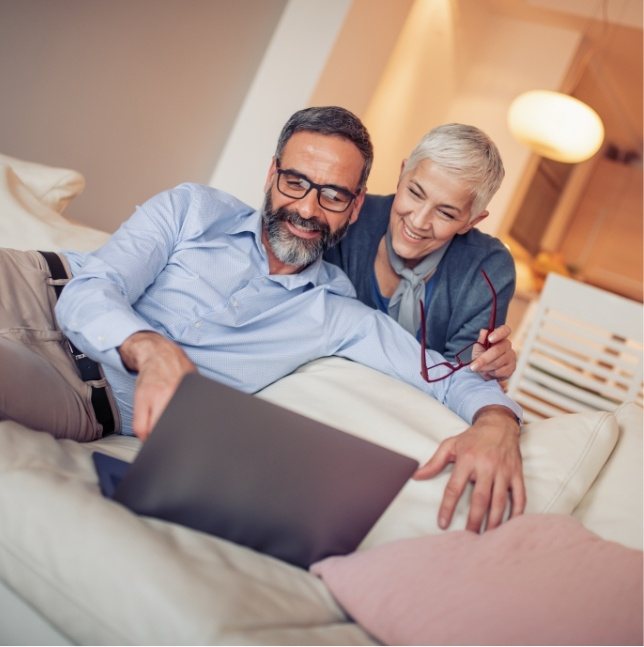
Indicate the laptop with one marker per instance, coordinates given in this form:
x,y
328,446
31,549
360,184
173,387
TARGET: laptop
x,y
236,466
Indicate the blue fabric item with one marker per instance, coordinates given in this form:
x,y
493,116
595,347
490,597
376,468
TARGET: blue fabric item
x,y
190,264
460,301
382,303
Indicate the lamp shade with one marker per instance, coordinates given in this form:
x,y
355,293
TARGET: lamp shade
x,y
556,126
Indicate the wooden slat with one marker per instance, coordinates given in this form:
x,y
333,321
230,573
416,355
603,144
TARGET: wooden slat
x,y
564,395
583,351
626,370
587,366
545,410
570,381
579,339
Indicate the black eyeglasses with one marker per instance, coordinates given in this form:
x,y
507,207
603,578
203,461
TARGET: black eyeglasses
x,y
297,186
460,362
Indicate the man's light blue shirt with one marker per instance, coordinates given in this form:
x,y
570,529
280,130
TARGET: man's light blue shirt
x,y
190,264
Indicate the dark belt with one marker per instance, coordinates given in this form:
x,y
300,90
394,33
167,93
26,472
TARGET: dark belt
x,y
88,369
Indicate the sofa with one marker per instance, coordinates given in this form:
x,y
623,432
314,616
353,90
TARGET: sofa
x,y
77,568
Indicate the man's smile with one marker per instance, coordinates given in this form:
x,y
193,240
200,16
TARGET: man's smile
x,y
302,232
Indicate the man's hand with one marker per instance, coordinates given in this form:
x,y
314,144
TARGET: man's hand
x,y
499,361
487,454
161,365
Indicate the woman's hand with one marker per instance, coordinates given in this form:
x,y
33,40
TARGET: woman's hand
x,y
499,361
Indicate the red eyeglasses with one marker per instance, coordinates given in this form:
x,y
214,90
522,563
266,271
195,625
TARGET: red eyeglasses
x,y
460,363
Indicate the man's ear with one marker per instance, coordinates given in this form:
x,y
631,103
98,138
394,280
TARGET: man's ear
x,y
269,177
475,221
357,205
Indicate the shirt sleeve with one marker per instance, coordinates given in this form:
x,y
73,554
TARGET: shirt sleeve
x,y
95,308
378,341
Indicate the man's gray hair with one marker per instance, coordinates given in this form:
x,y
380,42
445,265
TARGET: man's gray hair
x,y
330,120
467,153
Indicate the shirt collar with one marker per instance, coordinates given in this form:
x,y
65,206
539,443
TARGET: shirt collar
x,y
248,223
313,274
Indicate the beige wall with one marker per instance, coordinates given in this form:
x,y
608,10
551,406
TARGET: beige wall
x,y
139,95
509,56
454,60
283,83
139,100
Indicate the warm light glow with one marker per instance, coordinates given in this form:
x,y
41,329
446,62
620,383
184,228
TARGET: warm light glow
x,y
415,88
556,126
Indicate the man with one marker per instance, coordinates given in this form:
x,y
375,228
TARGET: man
x,y
421,244
196,280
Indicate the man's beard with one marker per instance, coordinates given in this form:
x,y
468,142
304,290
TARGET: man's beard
x,y
289,248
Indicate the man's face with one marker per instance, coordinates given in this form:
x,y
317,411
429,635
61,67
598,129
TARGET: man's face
x,y
298,231
431,206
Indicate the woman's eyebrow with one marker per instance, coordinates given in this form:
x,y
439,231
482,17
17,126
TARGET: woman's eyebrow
x,y
421,190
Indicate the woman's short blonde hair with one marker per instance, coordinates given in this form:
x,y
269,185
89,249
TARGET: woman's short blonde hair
x,y
467,153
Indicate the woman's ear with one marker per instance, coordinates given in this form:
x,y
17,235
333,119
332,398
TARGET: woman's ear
x,y
474,221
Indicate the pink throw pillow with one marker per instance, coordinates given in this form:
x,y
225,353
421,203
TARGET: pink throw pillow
x,y
537,579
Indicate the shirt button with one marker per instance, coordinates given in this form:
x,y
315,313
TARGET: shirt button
x,y
233,303
198,324
100,338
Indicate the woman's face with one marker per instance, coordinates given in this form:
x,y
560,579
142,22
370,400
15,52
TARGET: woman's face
x,y
431,206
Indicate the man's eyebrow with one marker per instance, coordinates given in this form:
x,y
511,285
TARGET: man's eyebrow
x,y
337,187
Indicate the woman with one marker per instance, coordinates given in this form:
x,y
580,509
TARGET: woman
x,y
421,244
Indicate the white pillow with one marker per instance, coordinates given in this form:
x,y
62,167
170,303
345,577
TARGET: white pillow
x,y
53,186
561,456
613,506
105,576
26,222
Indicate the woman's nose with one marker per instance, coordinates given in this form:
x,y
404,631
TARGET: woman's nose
x,y
422,217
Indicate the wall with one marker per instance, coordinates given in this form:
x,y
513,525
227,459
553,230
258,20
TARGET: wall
x,y
139,100
509,56
137,95
283,83
340,62
459,61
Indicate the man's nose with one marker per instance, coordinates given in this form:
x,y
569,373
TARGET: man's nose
x,y
308,206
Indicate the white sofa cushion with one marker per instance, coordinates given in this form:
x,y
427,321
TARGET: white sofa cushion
x,y
101,574
52,185
561,456
613,505
32,198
